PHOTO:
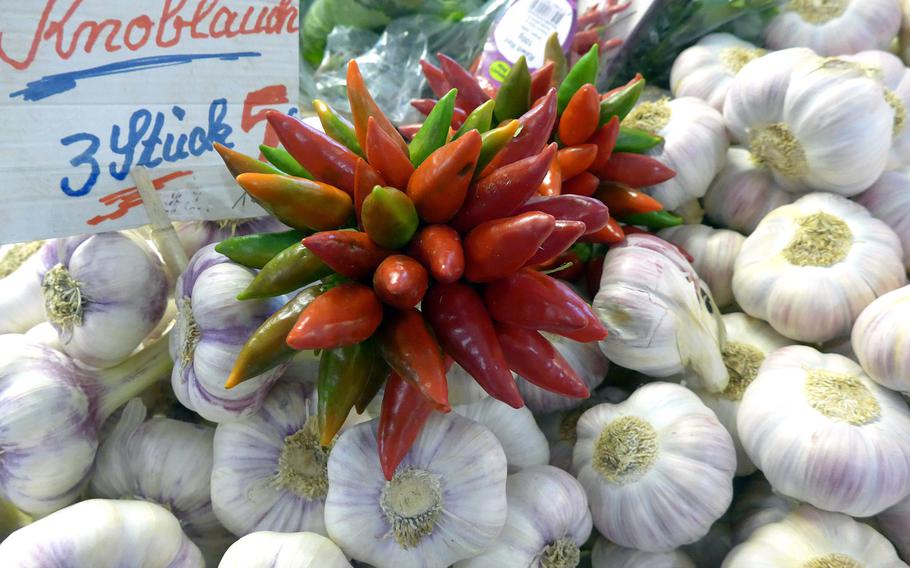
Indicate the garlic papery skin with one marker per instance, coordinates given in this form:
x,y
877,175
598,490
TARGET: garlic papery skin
x,y
895,524
212,326
194,235
586,359
714,251
888,199
823,432
445,503
269,472
608,555
881,342
657,468
817,124
103,533
522,441
695,141
661,317
707,69
835,27
810,538
266,549
548,522
812,266
743,193
757,505
167,462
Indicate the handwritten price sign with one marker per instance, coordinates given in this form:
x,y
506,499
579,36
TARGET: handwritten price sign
x,y
91,88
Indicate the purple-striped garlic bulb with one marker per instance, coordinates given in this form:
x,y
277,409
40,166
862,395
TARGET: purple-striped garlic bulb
x,y
888,199
522,441
194,235
880,340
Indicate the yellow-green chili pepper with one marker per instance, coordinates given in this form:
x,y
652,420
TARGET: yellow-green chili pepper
x,y
256,250
281,159
480,119
635,141
344,373
337,127
513,97
291,269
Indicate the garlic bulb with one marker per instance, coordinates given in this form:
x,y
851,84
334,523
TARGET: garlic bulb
x,y
167,462
45,334
559,427
888,199
817,124
690,212
743,193
695,141
879,340
811,267
20,288
608,555
657,468
810,538
522,441
445,503
194,235
835,27
706,69
757,505
714,251
660,315
101,533
211,328
50,414
548,522
586,359
284,550
895,524
463,389
823,432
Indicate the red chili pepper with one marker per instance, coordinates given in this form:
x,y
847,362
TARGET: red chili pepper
x,y
499,247
470,95
610,234
344,315
536,128
326,159
440,184
438,248
593,271
624,201
409,130
424,106
564,235
552,182
593,330
400,281
349,253
298,202
365,179
576,159
579,120
238,163
435,78
499,193
404,412
391,163
363,107
634,170
584,184
574,266
542,80
532,356
584,39
588,210
605,139
410,350
463,327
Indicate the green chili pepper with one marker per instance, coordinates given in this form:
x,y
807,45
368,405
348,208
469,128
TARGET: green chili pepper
x,y
344,373
620,101
480,119
635,141
281,159
379,373
553,52
584,71
435,130
389,217
492,141
292,268
514,96
256,250
584,251
653,220
337,127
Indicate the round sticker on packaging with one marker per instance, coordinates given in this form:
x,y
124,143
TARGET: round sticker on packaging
x,y
526,25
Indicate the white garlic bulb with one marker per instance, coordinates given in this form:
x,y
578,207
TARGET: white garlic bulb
x,y
706,69
895,524
823,432
888,199
880,338
657,468
548,522
810,538
714,252
102,533
757,505
817,124
695,141
588,362
522,441
660,315
284,550
811,267
835,27
445,503
608,555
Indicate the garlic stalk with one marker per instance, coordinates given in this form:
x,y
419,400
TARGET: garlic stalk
x,y
661,317
167,462
194,235
211,328
608,555
547,524
586,359
50,415
522,441
284,550
823,432
757,505
888,199
895,524
103,533
880,341
714,251
445,503
706,70
810,538
657,468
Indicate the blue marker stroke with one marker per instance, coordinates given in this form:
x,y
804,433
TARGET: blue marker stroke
x,y
51,85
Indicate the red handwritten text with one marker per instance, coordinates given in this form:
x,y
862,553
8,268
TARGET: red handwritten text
x,y
126,199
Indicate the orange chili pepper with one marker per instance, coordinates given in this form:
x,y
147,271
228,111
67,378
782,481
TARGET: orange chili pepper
x,y
576,159
498,248
345,315
584,184
579,120
623,201
438,248
238,163
439,185
605,139
552,182
382,153
363,107
400,281
611,234
298,202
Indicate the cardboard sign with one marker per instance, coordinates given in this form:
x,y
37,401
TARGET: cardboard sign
x,y
91,88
